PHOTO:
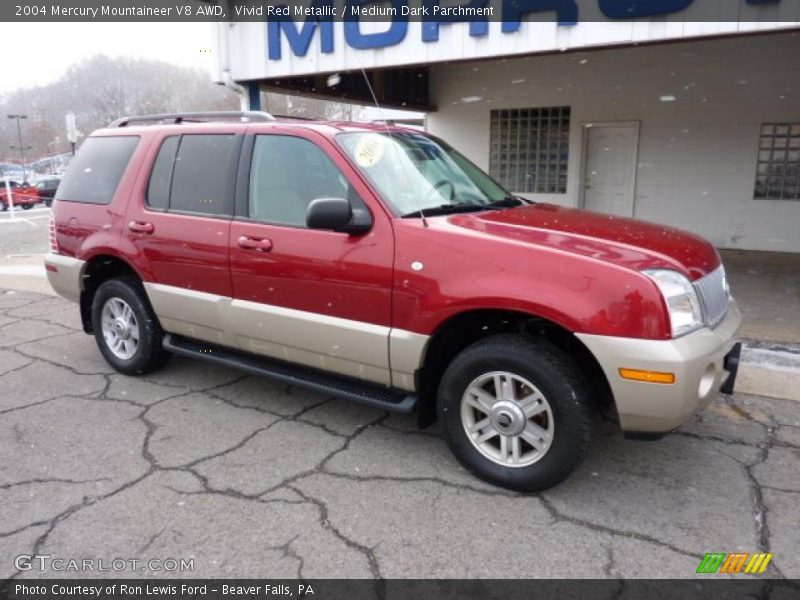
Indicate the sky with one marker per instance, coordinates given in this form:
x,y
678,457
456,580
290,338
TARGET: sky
x,y
41,52
48,49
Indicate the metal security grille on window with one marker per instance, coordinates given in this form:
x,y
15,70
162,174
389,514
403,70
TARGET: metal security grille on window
x,y
778,174
529,149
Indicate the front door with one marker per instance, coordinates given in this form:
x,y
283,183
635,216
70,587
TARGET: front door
x,y
610,168
318,298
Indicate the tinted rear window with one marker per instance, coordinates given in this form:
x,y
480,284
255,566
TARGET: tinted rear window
x,y
200,176
94,173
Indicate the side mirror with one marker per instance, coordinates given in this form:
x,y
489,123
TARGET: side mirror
x,y
336,214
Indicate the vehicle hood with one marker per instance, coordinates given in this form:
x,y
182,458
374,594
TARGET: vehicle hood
x,y
627,242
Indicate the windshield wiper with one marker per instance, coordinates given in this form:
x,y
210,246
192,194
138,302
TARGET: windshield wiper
x,y
509,202
449,209
459,207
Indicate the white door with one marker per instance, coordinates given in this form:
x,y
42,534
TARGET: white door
x,y
609,180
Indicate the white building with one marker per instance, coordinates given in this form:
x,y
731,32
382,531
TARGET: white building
x,y
680,121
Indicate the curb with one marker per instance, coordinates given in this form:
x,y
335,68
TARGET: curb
x,y
769,369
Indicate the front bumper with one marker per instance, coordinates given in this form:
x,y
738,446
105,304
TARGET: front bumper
x,y
700,362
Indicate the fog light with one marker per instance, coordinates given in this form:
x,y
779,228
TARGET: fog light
x,y
647,376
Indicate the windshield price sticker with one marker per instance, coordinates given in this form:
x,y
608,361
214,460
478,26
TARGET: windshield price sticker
x,y
369,150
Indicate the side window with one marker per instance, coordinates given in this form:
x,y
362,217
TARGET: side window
x,y
161,176
286,174
94,173
200,175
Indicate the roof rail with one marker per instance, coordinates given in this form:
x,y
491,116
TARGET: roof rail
x,y
195,117
295,118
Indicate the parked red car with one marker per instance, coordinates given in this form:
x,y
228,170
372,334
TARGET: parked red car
x,y
378,264
24,195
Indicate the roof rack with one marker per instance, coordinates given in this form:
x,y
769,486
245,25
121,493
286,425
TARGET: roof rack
x,y
197,117
294,118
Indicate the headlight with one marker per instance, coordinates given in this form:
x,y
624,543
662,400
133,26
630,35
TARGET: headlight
x,y
685,313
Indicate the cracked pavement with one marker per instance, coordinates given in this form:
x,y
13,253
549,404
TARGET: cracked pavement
x,y
249,478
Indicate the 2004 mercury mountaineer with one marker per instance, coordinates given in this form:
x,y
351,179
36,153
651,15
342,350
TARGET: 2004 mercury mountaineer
x,y
378,264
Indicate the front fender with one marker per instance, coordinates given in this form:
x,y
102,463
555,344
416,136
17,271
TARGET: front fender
x,y
440,273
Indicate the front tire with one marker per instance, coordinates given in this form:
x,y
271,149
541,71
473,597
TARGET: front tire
x,y
516,412
126,329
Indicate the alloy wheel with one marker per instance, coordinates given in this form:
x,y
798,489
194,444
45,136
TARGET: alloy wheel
x,y
120,328
507,419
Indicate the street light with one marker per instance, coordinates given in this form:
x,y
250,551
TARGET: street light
x,y
22,151
21,147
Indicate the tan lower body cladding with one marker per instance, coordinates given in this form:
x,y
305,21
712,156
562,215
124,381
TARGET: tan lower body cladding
x,y
352,348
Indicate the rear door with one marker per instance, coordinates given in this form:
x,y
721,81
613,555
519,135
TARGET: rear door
x,y
179,223
313,297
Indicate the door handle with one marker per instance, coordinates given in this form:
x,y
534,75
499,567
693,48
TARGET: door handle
x,y
141,227
246,242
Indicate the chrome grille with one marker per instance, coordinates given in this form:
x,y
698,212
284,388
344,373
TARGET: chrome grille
x,y
714,296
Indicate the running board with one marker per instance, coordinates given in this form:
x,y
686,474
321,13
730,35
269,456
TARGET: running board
x,y
347,388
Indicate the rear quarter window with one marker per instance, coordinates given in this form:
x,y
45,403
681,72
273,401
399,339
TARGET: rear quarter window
x,y
95,172
161,177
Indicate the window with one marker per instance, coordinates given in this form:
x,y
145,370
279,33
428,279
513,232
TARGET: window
x,y
161,176
529,149
287,174
778,171
414,171
95,172
201,172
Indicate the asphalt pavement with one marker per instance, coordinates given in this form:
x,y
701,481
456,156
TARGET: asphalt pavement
x,y
234,475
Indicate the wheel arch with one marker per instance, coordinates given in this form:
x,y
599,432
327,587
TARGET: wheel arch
x,y
98,269
461,330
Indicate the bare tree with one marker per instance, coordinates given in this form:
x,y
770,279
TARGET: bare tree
x,y
311,108
99,90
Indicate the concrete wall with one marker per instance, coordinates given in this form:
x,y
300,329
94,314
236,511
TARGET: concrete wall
x,y
697,155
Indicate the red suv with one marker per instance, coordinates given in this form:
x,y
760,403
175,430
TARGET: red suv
x,y
378,264
23,195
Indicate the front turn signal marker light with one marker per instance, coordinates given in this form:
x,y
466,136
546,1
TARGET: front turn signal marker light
x,y
647,376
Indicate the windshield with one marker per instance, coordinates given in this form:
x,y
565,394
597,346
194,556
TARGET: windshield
x,y
413,171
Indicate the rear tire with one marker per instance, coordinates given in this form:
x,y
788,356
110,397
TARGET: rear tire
x,y
126,328
516,412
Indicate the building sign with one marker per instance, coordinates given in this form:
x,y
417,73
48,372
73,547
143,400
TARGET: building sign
x,y
330,35
322,14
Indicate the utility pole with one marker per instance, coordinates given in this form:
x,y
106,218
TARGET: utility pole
x,y
21,147
22,150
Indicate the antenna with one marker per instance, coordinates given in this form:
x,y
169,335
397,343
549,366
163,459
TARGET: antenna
x,y
385,126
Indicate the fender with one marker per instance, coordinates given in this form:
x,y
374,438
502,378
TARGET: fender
x,y
442,270
120,248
